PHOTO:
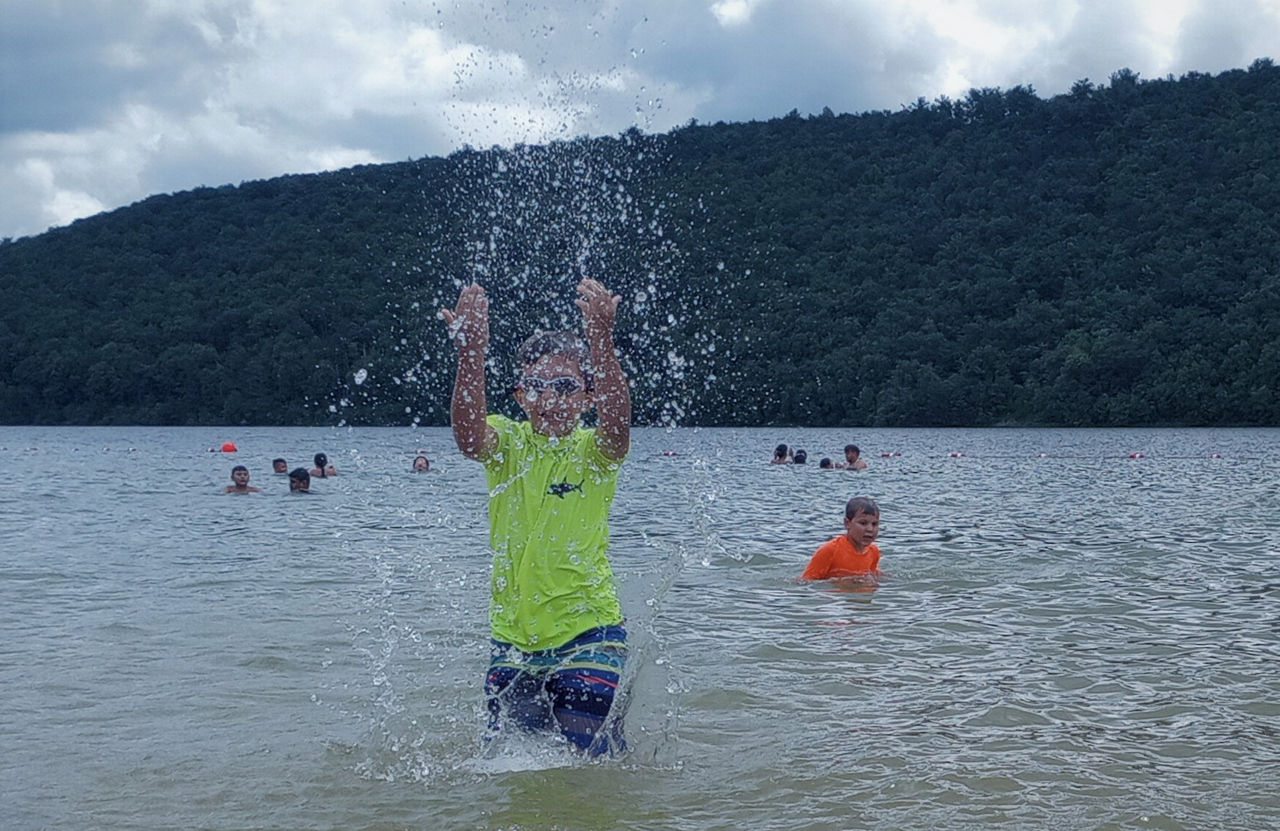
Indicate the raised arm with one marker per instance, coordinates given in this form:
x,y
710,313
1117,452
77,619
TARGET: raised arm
x,y
469,330
612,396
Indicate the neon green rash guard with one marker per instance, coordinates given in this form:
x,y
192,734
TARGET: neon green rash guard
x,y
549,505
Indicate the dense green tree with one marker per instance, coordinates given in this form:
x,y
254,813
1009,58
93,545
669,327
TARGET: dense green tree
x,y
1108,256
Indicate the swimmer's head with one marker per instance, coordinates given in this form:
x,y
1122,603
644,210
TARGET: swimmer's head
x,y
240,475
780,452
299,479
279,465
826,463
861,521
421,463
321,460
801,457
851,452
861,505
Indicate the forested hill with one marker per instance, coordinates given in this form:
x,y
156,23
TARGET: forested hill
x,y
1110,256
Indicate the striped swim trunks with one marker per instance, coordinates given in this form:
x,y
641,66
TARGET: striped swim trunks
x,y
570,688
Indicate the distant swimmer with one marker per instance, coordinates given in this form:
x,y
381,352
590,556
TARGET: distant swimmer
x,y
299,480
781,455
421,464
323,469
279,465
240,481
826,464
853,553
800,457
852,458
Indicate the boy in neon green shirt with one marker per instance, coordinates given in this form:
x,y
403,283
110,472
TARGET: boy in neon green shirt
x,y
558,645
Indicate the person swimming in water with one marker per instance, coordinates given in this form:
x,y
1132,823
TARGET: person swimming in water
x,y
240,481
853,554
323,469
299,480
851,458
421,464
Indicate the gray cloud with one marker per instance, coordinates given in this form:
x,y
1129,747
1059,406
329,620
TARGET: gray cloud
x,y
67,66
1221,34
1100,39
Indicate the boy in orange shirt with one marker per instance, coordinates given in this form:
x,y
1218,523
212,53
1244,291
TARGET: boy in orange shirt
x,y
854,553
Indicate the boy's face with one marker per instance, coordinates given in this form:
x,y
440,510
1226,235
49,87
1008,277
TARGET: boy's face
x,y
299,485
851,456
280,467
553,393
862,529
240,478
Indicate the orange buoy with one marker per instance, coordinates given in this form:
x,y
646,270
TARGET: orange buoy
x,y
228,447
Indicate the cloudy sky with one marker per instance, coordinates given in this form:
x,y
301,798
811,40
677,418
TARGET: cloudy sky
x,y
104,102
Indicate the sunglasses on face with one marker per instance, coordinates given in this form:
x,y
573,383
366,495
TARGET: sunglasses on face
x,y
560,386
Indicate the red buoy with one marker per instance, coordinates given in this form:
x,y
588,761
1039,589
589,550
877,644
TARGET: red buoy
x,y
228,447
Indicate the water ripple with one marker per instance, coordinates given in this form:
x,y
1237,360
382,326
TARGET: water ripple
x,y
1069,640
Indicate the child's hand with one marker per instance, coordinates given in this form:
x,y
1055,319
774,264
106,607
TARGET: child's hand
x,y
469,322
599,307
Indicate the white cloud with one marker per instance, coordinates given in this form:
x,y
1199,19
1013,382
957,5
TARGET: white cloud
x,y
732,12
58,205
110,101
1218,35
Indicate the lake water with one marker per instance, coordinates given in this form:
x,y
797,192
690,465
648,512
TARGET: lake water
x,y
1067,637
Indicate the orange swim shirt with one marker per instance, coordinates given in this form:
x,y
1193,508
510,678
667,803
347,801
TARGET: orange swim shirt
x,y
838,558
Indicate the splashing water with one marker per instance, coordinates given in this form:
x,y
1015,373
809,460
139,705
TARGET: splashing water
x,y
528,221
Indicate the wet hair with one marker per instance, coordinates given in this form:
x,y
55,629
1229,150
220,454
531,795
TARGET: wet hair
x,y
861,505
780,452
300,474
239,467
825,463
321,461
801,457
558,342
853,447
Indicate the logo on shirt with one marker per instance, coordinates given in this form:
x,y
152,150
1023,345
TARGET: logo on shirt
x,y
561,488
